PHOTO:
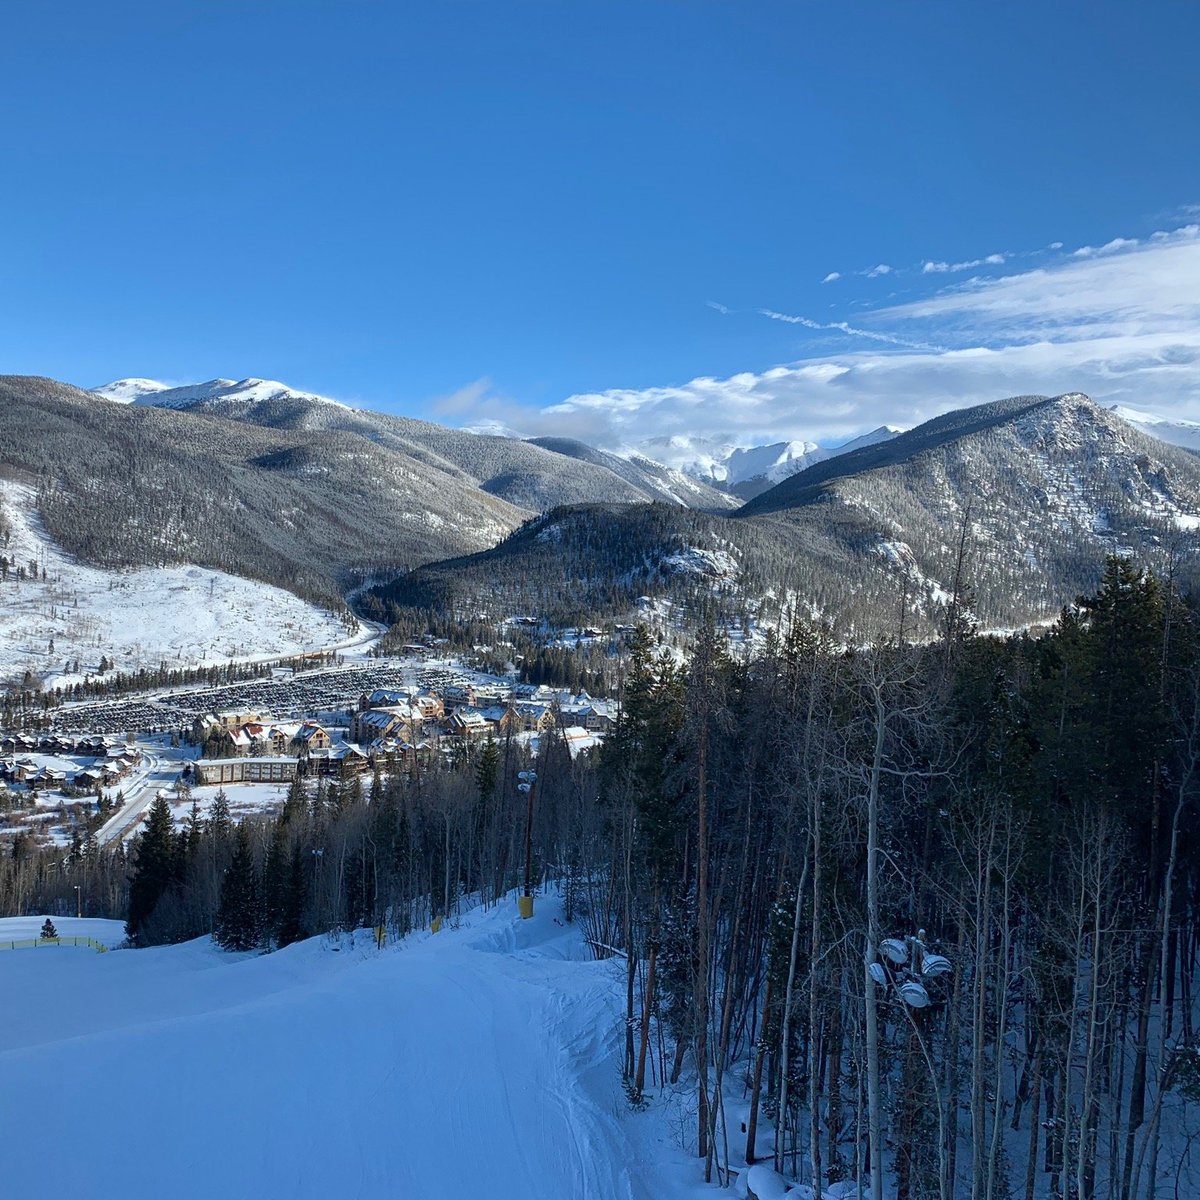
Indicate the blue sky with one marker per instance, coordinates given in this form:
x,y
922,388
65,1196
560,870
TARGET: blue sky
x,y
574,216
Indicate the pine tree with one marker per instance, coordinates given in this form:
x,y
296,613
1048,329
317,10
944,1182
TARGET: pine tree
x,y
155,865
487,770
220,822
295,807
293,926
239,917
275,879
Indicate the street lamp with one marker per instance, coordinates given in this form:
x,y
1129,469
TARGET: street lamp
x,y
78,902
527,782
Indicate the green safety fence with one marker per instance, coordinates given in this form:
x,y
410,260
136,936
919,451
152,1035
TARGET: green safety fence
x,y
33,943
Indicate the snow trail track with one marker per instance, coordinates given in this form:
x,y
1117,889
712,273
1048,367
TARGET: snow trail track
x,y
483,1061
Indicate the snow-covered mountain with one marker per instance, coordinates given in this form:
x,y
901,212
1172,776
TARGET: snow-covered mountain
x,y
652,479
692,471
745,471
533,475
1174,430
124,484
215,393
774,462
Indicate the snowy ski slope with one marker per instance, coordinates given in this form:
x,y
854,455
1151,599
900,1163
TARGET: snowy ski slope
x,y
482,1061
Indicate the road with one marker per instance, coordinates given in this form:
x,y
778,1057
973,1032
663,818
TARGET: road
x,y
158,772
370,635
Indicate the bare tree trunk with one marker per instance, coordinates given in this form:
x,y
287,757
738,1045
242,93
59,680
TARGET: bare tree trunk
x,y
1087,1101
639,1082
1168,891
786,1031
983,878
833,1104
756,1086
871,954
953,1064
702,936
1001,1018
814,955
1035,1112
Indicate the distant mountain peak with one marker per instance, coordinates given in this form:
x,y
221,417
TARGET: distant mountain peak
x,y
127,391
1176,431
745,471
213,393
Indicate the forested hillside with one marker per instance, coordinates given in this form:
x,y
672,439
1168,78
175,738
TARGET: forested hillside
x,y
1000,513
930,912
121,485
529,474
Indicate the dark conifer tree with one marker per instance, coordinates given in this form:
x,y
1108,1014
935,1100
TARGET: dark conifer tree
x,y
239,917
155,864
220,822
293,923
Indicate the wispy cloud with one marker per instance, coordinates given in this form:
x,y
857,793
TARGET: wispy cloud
x,y
718,308
832,277
876,271
889,339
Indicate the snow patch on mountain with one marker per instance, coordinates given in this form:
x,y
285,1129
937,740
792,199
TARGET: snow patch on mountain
x,y
132,391
184,616
718,565
900,558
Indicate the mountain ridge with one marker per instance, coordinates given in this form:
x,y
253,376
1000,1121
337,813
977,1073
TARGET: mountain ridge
x,y
525,473
1040,488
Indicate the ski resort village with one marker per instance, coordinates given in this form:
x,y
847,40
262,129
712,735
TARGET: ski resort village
x,y
89,770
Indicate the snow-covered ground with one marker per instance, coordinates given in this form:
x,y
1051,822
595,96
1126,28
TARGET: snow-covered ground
x,y
244,799
184,616
108,933
480,1061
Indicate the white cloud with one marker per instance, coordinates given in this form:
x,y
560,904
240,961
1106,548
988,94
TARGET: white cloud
x,y
1123,326
1108,247
718,308
876,271
943,268
832,277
